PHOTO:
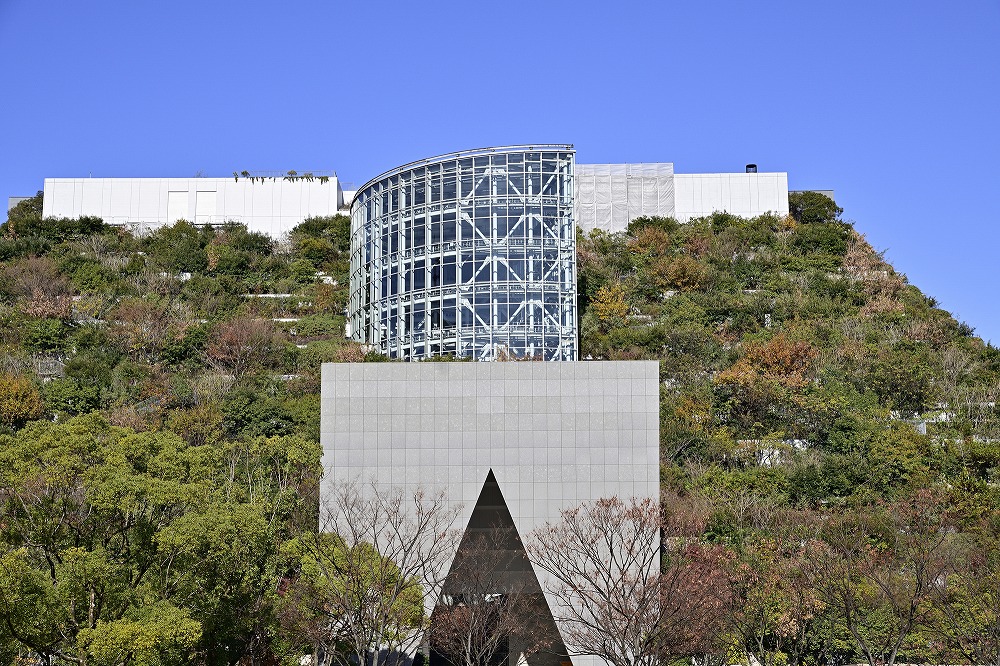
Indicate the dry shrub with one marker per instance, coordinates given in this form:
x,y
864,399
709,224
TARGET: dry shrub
x,y
139,328
349,353
39,288
697,246
128,416
784,361
244,345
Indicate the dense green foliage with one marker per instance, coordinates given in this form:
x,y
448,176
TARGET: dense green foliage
x,y
810,399
795,362
159,435
159,427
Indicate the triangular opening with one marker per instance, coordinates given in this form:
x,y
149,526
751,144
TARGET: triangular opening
x,y
492,610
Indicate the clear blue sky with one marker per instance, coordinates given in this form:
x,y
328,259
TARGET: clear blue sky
x,y
895,105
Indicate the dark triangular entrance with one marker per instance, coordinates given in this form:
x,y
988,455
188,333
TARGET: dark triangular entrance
x,y
492,611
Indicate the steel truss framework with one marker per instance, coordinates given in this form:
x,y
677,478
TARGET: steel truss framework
x,y
468,254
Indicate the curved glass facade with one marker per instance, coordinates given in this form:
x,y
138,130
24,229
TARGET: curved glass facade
x,y
468,254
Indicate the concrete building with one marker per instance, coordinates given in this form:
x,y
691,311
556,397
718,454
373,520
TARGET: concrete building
x,y
469,254
520,439
605,196
270,204
609,196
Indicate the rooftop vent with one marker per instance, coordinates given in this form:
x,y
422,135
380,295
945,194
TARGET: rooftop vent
x,y
751,168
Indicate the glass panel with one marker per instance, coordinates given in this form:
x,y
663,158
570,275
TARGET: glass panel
x,y
435,265
516,183
466,229
448,277
533,180
465,181
448,228
448,314
467,316
551,186
419,274
434,314
418,317
500,185
483,225
419,233
482,185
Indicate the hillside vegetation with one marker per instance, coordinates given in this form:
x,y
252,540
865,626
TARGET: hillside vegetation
x,y
826,430
795,362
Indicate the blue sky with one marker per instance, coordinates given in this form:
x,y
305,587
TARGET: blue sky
x,y
895,105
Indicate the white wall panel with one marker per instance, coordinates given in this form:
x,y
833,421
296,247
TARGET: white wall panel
x,y
744,194
121,199
149,198
272,207
204,212
177,205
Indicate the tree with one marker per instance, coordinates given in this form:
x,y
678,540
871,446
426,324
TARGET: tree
x,y
813,207
610,306
880,573
614,598
336,229
372,570
82,504
180,247
119,547
777,615
27,211
967,606
683,273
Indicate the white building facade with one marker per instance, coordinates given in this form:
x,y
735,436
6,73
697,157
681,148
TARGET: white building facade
x,y
270,204
605,196
609,196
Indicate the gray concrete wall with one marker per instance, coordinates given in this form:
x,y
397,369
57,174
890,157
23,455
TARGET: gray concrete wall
x,y
554,434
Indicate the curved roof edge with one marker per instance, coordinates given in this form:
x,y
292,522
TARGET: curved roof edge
x,y
473,152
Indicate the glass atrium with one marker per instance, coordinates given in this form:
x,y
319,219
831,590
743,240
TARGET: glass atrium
x,y
468,254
